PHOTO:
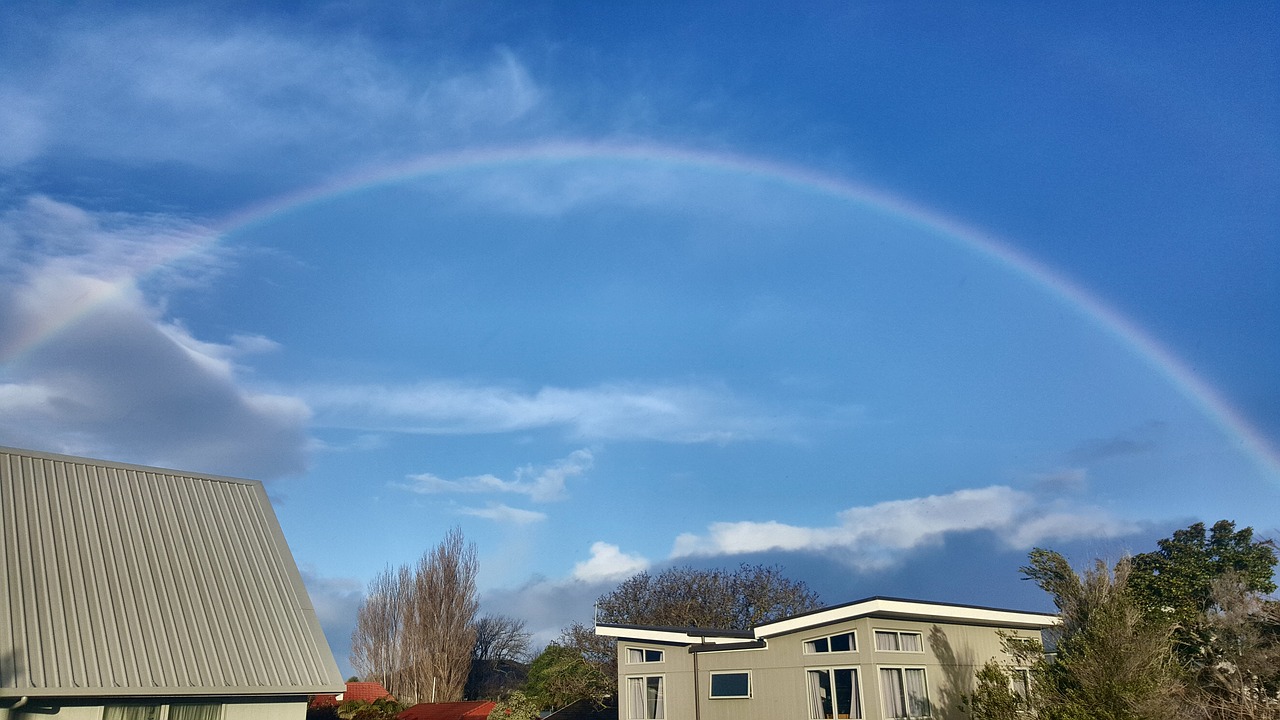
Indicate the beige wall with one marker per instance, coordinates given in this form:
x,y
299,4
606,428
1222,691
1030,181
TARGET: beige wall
x,y
952,655
290,710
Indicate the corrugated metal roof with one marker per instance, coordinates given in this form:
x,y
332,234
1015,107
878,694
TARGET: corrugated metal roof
x,y
128,580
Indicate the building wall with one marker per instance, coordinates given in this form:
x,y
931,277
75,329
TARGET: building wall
x,y
951,656
290,709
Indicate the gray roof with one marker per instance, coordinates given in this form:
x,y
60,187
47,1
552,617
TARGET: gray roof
x,y
121,580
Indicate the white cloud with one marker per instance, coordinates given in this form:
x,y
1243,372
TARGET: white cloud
x,y
541,485
505,514
671,413
608,563
93,367
880,535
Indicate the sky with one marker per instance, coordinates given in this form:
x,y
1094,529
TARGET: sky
x,y
885,294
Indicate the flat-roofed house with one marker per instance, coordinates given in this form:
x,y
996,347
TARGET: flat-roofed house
x,y
873,659
136,593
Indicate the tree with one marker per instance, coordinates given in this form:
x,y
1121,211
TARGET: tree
x,y
560,676
514,706
497,659
993,697
380,709
1175,584
717,599
686,597
1112,662
415,631
1236,672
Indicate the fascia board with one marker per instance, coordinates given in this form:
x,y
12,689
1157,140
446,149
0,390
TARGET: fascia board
x,y
907,610
663,636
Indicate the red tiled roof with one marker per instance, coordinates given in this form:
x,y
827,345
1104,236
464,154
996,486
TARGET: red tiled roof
x,y
367,691
477,710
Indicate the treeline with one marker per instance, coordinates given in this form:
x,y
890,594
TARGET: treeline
x,y
1187,631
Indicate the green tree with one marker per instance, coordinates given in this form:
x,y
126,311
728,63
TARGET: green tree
x,y
561,675
515,705
380,709
993,697
1175,584
1112,663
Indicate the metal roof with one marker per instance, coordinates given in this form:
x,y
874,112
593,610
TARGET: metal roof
x,y
122,580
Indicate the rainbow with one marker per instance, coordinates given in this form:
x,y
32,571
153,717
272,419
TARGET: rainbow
x,y
1087,306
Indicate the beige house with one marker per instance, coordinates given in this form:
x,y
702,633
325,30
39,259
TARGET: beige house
x,y
135,593
873,659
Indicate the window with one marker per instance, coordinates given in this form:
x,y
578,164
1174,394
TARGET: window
x,y
845,642
195,712
643,655
903,692
131,712
645,698
898,641
731,684
1020,683
834,693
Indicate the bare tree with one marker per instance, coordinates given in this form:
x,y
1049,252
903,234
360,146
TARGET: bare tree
x,y
415,631
497,661
376,641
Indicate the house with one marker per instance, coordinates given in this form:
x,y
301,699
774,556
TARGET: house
x,y
366,691
872,659
470,710
137,593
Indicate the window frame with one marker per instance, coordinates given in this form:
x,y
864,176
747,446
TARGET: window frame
x,y
662,695
644,654
875,633
856,699
853,644
905,698
711,685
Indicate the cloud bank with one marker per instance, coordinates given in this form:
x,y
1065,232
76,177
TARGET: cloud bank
x,y
878,536
93,367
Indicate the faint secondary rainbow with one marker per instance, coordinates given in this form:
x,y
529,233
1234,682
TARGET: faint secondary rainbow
x,y
1088,306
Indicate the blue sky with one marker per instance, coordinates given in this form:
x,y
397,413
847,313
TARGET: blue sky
x,y
887,295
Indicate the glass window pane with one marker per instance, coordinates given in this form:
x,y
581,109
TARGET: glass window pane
x,y
635,698
653,656
635,655
195,712
654,699
891,693
131,712
730,685
886,640
842,643
820,695
911,642
917,695
846,686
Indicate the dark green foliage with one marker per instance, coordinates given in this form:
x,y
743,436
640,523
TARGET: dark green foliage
x,y
515,705
993,697
561,675
380,709
1112,663
1175,584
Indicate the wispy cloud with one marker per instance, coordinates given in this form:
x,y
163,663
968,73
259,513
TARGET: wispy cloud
x,y
95,367
505,514
880,535
162,88
540,484
634,411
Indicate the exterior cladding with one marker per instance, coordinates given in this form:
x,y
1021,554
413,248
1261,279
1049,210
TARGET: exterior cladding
x,y
121,580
